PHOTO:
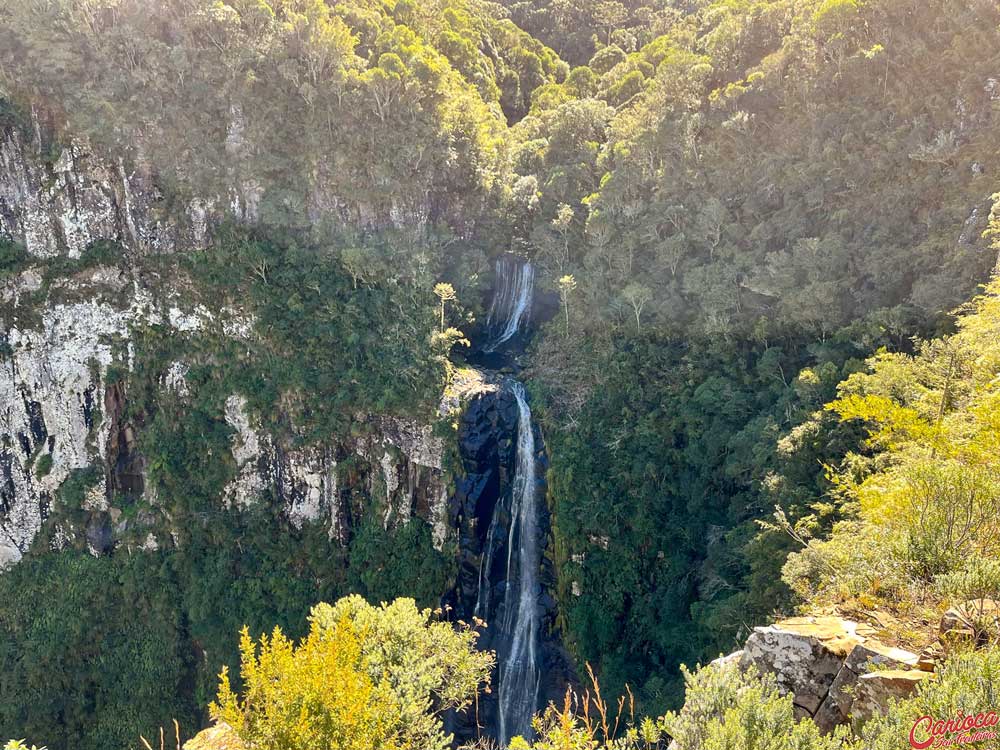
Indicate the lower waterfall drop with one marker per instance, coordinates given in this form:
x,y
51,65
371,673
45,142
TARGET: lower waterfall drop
x,y
519,672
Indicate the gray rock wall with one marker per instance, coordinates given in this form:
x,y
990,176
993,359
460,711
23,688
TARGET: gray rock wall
x,y
58,411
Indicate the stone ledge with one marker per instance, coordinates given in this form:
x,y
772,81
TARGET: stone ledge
x,y
216,737
818,660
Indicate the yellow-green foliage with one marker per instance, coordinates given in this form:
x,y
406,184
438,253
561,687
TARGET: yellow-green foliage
x,y
314,694
364,678
928,495
727,708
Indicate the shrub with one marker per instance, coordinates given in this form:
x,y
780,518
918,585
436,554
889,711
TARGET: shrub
x,y
101,253
43,465
950,510
314,694
727,708
856,560
971,587
13,257
978,578
363,678
73,490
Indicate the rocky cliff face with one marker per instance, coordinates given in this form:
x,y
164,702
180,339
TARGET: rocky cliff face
x,y
398,460
58,197
58,207
61,413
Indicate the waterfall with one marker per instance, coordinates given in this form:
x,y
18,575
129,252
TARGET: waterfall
x,y
509,576
511,300
519,672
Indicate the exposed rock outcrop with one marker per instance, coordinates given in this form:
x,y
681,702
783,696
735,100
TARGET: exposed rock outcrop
x,y
216,737
59,208
51,391
876,690
820,661
804,653
60,414
400,464
840,706
976,620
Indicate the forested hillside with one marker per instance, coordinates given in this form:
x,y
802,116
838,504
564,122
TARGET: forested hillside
x,y
247,251
795,186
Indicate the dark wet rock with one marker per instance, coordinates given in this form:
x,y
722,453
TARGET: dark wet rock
x,y
100,536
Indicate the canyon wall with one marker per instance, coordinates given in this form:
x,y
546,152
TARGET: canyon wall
x,y
62,415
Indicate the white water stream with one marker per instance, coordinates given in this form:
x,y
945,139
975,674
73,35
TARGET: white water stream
x,y
511,304
519,672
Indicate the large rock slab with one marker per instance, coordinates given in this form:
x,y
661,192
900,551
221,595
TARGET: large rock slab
x,y
838,706
805,654
822,661
875,690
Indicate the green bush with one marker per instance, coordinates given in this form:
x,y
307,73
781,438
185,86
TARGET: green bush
x,y
43,465
727,708
13,257
101,252
73,491
978,578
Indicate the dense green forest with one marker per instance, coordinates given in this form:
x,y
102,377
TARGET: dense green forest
x,y
748,209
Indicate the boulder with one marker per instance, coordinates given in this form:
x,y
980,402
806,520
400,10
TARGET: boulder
x,y
805,654
219,736
930,657
825,664
875,690
722,661
837,707
975,620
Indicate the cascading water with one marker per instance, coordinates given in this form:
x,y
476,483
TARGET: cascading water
x,y
518,612
504,577
511,304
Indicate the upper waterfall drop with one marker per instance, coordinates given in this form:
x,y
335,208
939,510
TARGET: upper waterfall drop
x,y
511,305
